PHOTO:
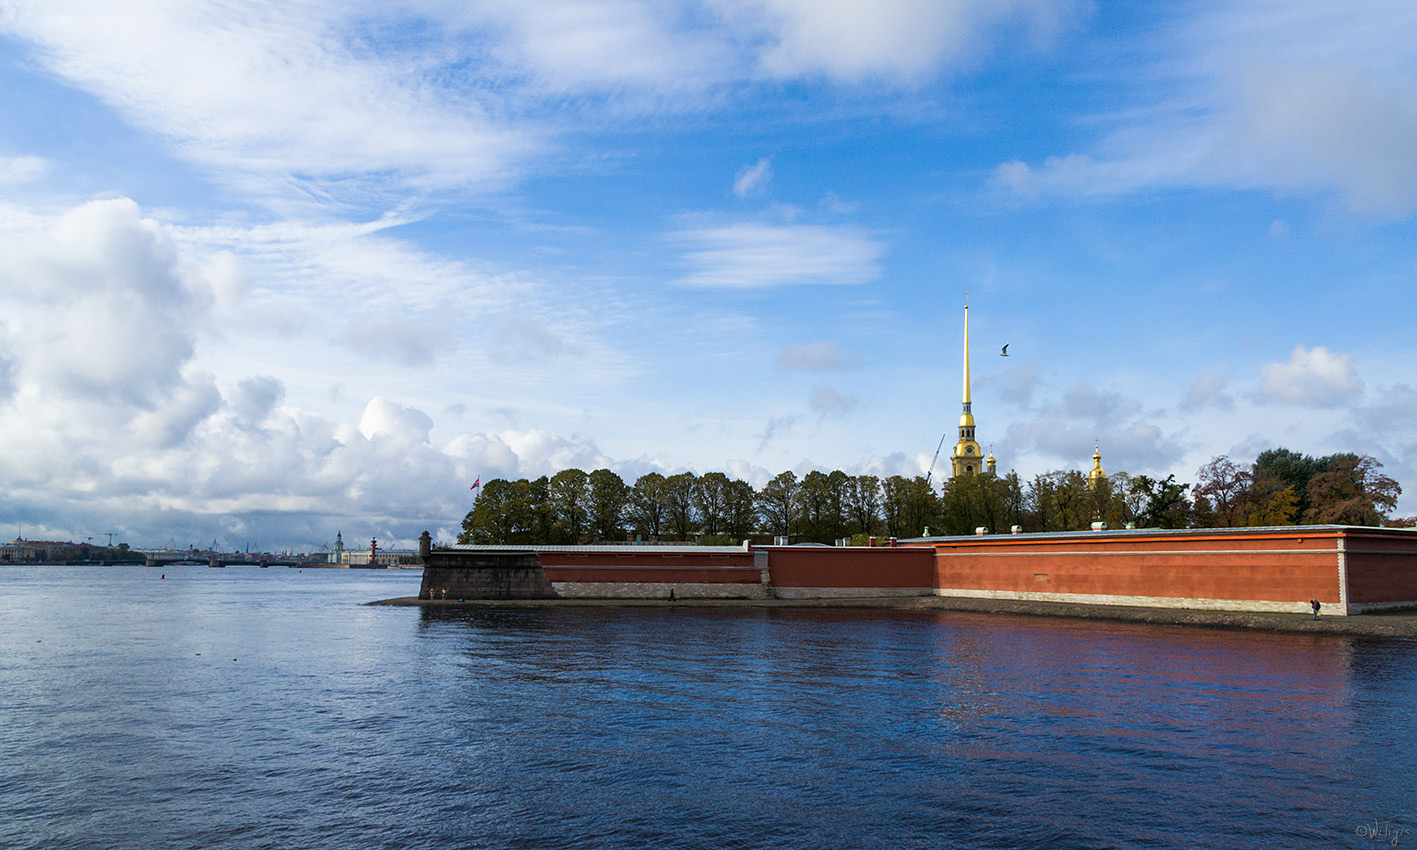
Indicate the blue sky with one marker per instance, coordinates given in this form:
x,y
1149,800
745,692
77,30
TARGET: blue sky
x,y
273,270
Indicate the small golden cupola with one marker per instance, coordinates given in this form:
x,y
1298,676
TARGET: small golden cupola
x,y
1098,475
989,465
967,457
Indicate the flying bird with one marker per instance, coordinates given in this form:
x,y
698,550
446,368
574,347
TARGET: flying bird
x,y
1005,352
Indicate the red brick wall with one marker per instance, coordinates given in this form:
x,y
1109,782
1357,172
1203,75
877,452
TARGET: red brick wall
x,y
1382,566
851,567
651,567
1259,566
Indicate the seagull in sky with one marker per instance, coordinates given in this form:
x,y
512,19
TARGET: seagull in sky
x,y
1005,352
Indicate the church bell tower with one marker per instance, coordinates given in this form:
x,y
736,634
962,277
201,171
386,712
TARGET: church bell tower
x,y
967,458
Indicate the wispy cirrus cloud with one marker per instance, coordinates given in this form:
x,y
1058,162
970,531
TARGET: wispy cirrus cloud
x,y
1261,94
819,356
749,255
306,103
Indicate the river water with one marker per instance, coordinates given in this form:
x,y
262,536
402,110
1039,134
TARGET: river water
x,y
269,708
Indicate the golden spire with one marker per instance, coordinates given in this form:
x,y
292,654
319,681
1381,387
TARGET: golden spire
x,y
967,457
966,355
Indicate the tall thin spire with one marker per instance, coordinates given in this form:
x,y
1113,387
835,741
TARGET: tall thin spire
x,y
966,458
966,356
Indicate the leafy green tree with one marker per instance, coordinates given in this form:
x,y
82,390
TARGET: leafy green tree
x,y
1280,468
649,505
608,498
682,491
1058,501
863,504
1166,505
740,510
779,503
895,499
1351,491
712,501
1276,507
569,492
490,520
821,506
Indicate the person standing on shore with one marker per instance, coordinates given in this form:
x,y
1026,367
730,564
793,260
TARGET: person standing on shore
x,y
1314,603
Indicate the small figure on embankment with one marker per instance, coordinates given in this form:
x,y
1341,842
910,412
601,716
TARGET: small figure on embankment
x,y
1314,603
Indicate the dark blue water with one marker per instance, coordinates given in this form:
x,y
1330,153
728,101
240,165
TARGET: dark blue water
x,y
250,708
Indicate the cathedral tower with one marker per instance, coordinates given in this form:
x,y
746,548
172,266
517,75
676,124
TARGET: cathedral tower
x,y
967,457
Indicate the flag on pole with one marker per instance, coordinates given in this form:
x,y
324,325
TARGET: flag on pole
x,y
476,484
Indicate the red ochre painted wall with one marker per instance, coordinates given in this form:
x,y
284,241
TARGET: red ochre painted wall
x,y
651,568
1381,566
850,567
1257,567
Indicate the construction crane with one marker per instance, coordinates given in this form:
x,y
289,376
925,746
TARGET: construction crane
x,y
931,471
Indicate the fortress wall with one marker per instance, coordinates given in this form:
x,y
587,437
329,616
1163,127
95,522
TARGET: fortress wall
x,y
809,572
652,575
483,575
1261,571
1381,567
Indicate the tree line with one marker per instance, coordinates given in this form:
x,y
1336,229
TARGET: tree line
x,y
1281,487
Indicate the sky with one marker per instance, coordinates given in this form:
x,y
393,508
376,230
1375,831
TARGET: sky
x,y
273,270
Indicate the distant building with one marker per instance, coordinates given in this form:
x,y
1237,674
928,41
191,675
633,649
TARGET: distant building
x,y
337,554
17,551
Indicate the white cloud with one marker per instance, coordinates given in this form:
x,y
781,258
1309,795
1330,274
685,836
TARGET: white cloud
x,y
1207,391
1067,429
22,169
819,356
1313,377
750,255
830,404
752,179
1313,97
902,39
279,95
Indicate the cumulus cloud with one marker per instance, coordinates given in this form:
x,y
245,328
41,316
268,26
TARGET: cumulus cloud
x,y
1066,429
752,179
1313,377
753,255
819,356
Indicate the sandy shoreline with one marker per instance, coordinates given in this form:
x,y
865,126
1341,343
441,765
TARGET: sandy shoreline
x,y
1401,625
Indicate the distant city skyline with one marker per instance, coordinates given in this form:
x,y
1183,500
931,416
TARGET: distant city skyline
x,y
322,267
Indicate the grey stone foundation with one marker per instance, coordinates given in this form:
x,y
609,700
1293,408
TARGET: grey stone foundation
x,y
455,575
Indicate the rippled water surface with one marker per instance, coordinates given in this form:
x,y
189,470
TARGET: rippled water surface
x,y
251,708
